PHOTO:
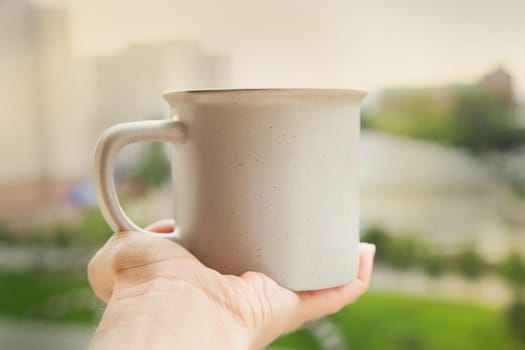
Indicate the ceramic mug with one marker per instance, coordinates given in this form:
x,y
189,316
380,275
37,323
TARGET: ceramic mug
x,y
265,180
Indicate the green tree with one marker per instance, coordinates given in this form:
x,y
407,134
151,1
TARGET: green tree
x,y
433,264
5,234
404,253
381,239
400,253
93,230
516,317
469,117
413,114
153,167
513,268
470,263
483,122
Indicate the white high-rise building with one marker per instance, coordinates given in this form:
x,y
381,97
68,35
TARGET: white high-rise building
x,y
42,131
54,105
128,85
20,151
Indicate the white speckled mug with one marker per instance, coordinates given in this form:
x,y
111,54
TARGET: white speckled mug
x,y
265,180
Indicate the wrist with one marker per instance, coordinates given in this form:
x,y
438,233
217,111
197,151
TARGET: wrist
x,y
162,314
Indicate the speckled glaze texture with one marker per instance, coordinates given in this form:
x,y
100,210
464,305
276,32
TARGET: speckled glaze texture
x,y
267,180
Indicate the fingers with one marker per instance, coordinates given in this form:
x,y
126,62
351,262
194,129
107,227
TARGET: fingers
x,y
315,304
366,262
162,226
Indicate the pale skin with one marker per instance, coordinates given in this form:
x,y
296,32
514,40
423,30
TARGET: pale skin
x,y
159,296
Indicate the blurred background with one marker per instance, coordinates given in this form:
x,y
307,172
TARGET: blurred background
x,y
442,151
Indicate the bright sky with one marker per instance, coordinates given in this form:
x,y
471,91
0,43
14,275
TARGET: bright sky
x,y
332,43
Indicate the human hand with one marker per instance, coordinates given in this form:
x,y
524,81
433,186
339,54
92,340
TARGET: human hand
x,y
160,296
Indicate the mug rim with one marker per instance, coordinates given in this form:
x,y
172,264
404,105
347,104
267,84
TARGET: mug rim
x,y
245,93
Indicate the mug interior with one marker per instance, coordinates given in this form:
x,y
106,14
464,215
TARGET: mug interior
x,y
254,95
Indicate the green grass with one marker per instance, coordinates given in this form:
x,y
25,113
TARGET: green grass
x,y
396,322
376,321
54,297
301,339
384,321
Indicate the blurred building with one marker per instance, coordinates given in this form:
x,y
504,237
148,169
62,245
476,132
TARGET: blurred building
x,y
54,104
499,83
17,72
42,83
42,133
441,195
127,86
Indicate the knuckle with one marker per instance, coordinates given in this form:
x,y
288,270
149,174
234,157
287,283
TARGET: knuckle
x,y
124,251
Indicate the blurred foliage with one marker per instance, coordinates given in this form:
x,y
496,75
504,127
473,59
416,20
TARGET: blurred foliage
x,y
381,238
433,264
404,252
398,252
518,187
516,317
153,168
470,263
415,115
57,297
407,252
92,230
484,122
469,117
513,268
6,235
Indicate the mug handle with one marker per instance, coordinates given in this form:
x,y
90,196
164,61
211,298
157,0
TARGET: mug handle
x,y
106,150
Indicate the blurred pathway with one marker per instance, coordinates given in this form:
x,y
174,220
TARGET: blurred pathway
x,y
489,290
15,335
328,334
44,257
